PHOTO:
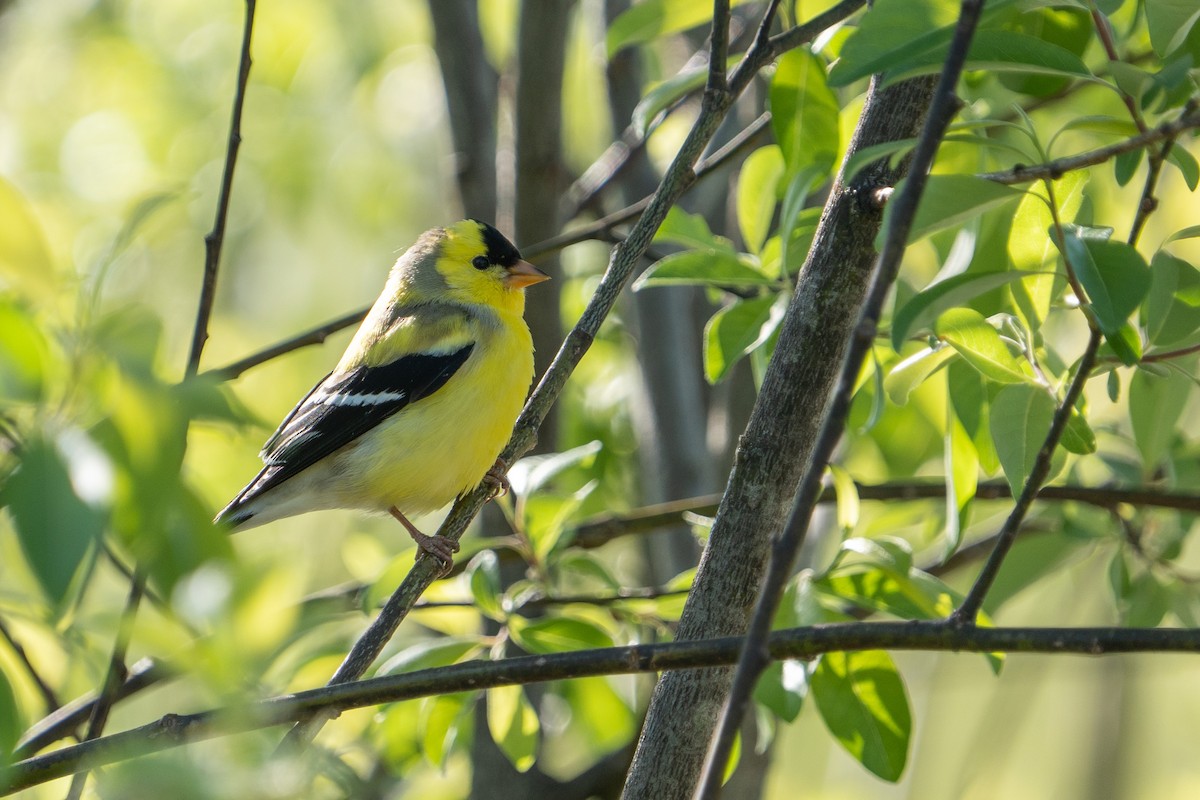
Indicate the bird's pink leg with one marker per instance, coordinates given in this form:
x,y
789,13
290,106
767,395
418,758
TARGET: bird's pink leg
x,y
440,547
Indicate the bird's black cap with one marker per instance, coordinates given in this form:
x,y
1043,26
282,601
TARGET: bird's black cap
x,y
499,249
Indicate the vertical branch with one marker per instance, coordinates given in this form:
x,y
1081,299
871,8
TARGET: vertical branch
x,y
471,86
719,51
753,661
542,35
117,671
216,237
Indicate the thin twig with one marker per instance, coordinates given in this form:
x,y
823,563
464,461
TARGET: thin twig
x,y
317,335
1057,168
679,177
754,658
719,48
965,614
213,242
596,230
1104,34
48,695
1148,203
216,237
114,677
174,730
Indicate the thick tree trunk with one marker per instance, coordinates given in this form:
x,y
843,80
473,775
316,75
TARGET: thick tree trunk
x,y
774,450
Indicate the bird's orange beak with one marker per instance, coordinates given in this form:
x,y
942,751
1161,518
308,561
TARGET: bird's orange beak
x,y
522,274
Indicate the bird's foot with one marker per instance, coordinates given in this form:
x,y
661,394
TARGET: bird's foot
x,y
497,480
439,547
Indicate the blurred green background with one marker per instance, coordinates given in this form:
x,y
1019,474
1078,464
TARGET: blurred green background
x,y
113,126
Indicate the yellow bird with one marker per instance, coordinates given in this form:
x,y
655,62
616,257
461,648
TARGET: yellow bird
x,y
423,400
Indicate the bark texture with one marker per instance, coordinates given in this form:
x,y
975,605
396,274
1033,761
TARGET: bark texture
x,y
540,177
773,452
472,87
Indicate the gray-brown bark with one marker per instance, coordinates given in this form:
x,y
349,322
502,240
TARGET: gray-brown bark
x,y
542,38
471,87
773,452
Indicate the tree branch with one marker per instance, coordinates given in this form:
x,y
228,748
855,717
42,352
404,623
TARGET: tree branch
x,y
174,730
1055,169
785,547
116,674
625,257
965,614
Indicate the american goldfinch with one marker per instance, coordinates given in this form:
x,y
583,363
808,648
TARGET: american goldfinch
x,y
424,398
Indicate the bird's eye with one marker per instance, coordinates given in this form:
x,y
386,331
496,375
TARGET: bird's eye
x,y
480,262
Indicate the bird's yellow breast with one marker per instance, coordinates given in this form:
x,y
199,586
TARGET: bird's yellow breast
x,y
441,446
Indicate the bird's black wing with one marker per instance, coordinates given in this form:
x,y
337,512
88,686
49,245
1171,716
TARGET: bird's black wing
x,y
339,410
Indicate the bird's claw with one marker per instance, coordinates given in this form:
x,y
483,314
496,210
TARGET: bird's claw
x,y
440,548
496,480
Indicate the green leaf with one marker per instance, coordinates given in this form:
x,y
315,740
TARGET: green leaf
x,y
1114,275
1069,28
915,370
758,188
513,724
1155,407
804,113
708,267
1170,22
893,33
690,231
1078,436
962,477
980,344
558,635
782,688
24,354
664,95
1020,419
924,307
532,473
432,653
650,19
1171,310
1146,603
954,199
1007,52
847,499
1191,232
439,724
1032,250
733,332
483,574
55,526
862,700
969,396
1185,162
546,516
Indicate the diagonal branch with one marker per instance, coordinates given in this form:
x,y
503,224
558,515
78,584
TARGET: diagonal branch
x,y
1055,169
625,256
